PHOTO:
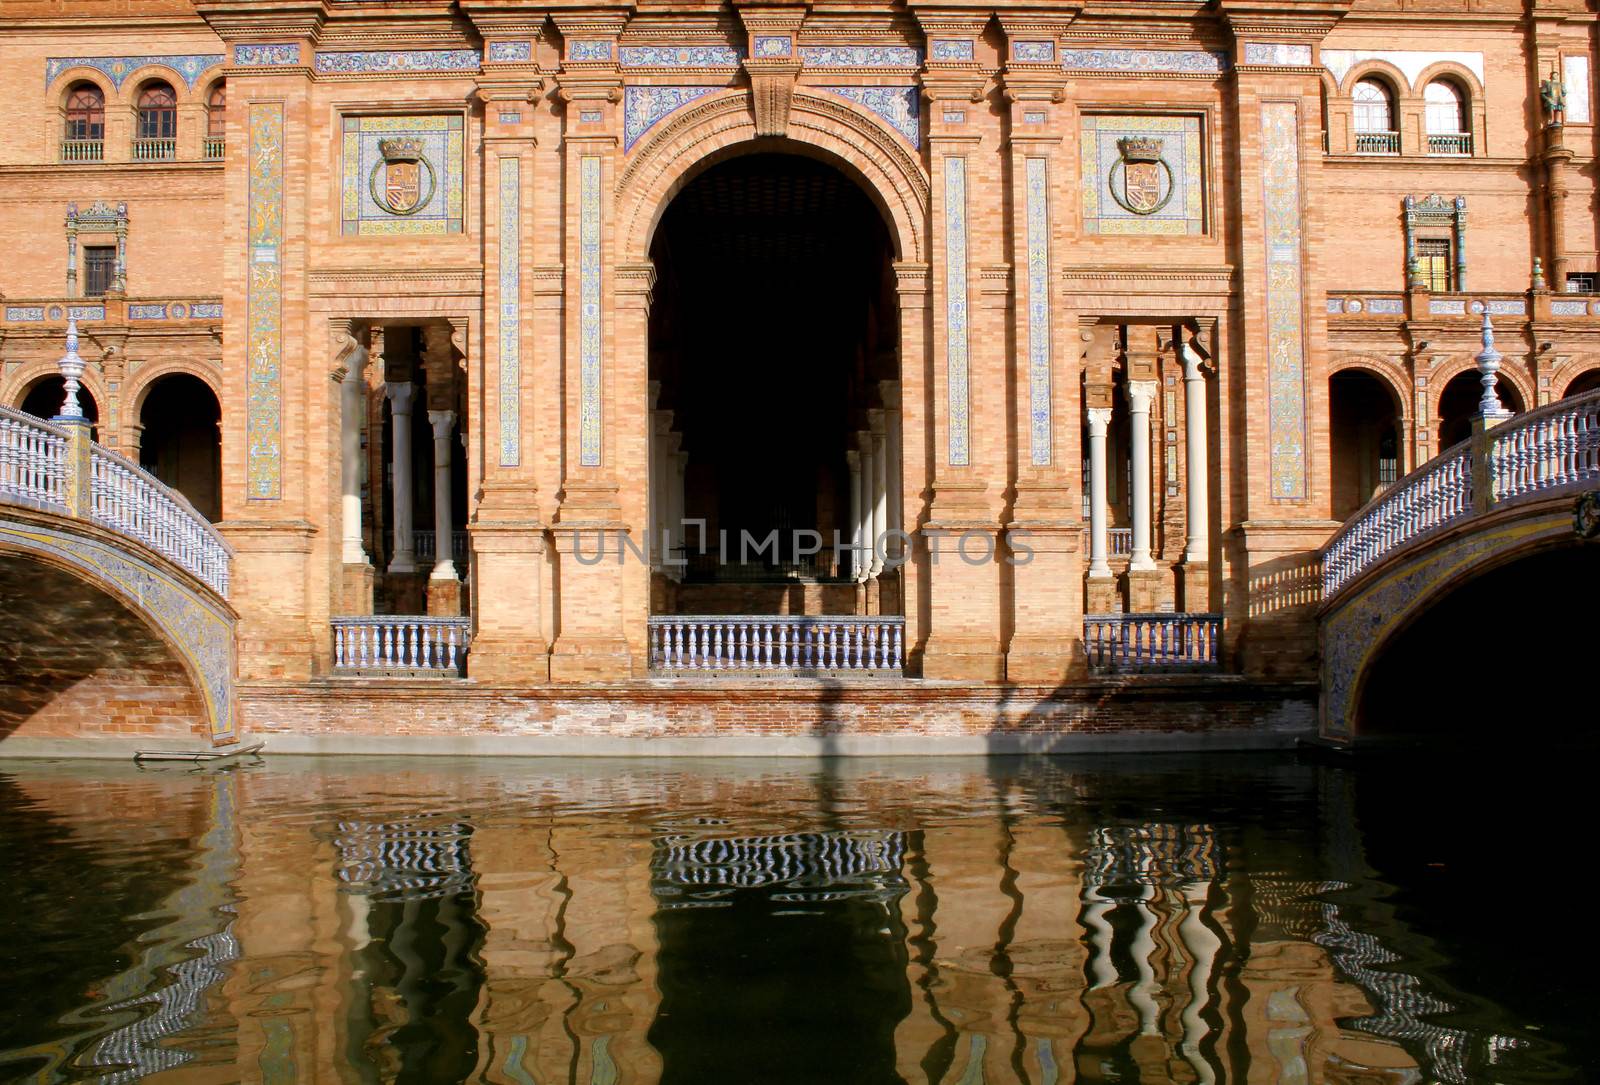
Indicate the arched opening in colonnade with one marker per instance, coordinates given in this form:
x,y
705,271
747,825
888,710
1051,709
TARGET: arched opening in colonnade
x,y
179,440
1459,402
1587,381
773,361
1364,438
43,400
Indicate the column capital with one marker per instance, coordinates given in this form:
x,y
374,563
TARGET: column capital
x,y
1099,420
1140,393
1192,363
441,421
399,393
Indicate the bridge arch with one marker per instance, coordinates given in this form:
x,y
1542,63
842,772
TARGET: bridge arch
x,y
107,636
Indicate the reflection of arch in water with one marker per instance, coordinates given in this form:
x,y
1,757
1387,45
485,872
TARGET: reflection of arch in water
x,y
404,860
828,865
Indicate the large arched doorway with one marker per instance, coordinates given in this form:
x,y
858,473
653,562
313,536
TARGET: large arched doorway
x,y
1363,437
1587,381
43,400
179,441
1459,402
773,333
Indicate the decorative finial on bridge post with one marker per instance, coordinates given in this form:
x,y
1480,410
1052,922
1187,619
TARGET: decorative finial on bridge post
x,y
71,366
1488,360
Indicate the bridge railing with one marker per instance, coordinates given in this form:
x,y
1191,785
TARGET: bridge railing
x,y
128,499
1553,447
792,644
33,460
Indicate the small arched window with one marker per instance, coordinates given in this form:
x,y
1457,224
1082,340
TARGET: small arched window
x,y
1444,108
86,112
217,112
1374,119
158,112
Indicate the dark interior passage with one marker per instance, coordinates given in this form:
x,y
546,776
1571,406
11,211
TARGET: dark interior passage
x,y
1459,402
180,442
44,401
1364,435
773,318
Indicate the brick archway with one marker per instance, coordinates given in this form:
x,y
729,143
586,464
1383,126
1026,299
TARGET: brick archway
x,y
722,126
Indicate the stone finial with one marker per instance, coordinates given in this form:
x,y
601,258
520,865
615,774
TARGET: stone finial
x,y
1538,274
71,366
1488,360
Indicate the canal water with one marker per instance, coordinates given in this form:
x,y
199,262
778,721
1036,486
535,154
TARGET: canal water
x,y
1157,919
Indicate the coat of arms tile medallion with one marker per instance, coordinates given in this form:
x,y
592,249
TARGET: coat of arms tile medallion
x,y
402,175
1142,175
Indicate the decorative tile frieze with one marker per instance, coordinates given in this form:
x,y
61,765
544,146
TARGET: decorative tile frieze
x,y
589,49
1142,175
680,56
1145,61
589,376
1034,52
1508,307
24,314
510,268
860,56
147,312
773,45
1410,62
1336,305
1286,378
189,66
207,310
643,107
281,54
959,453
1280,54
898,106
1568,308
264,303
1447,307
951,49
1383,307
1037,176
387,61
86,312
510,52
402,175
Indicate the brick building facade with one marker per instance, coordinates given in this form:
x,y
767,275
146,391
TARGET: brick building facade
x,y
1151,297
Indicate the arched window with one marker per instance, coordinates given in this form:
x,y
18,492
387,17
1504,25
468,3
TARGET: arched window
x,y
1446,125
1374,119
157,132
86,123
216,120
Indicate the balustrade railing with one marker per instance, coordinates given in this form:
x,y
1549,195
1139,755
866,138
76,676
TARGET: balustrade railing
x,y
1377,143
215,147
154,150
1121,541
1557,445
385,644
33,460
1436,493
1151,642
1550,448
83,150
1449,142
425,545
127,498
790,644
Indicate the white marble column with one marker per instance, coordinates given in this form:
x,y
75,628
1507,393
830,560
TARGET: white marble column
x,y
1099,528
400,393
1140,393
352,411
892,465
679,506
662,446
1195,549
853,458
880,488
444,566
869,506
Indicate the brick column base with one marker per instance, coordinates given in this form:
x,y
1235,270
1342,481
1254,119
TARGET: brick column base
x,y
444,597
355,589
1102,596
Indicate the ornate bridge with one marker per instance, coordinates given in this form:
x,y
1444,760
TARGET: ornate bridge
x,y
114,591
1514,489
